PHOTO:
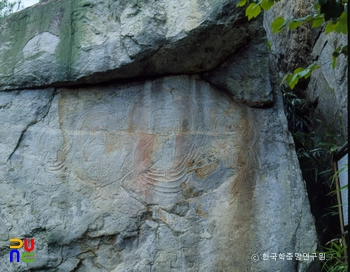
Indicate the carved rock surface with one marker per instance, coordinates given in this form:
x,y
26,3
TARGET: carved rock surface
x,y
131,140
179,177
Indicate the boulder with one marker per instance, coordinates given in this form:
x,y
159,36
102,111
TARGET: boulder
x,y
146,136
65,42
167,174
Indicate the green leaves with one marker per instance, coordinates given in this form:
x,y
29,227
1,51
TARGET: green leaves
x,y
292,79
330,11
340,26
280,23
268,43
241,3
340,50
277,24
267,4
344,50
252,11
317,20
335,251
294,24
325,10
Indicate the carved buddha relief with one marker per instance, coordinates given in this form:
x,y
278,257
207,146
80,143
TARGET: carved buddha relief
x,y
50,146
103,149
159,142
163,150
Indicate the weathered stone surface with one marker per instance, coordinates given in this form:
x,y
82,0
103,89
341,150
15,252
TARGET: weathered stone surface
x,y
85,41
158,175
291,48
145,173
246,75
330,86
324,96
300,48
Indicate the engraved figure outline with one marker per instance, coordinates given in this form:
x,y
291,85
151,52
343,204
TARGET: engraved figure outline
x,y
50,145
102,156
164,179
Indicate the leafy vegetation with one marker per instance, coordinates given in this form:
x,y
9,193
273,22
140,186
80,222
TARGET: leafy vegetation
x,y
315,151
336,259
315,146
336,249
332,13
293,79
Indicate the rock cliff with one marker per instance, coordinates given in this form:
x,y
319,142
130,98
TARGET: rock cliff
x,y
146,136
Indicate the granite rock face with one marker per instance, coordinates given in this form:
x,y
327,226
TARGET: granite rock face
x,y
303,46
246,75
166,173
330,86
161,175
84,41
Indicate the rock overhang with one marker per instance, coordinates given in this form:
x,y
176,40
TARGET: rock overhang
x,y
62,43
